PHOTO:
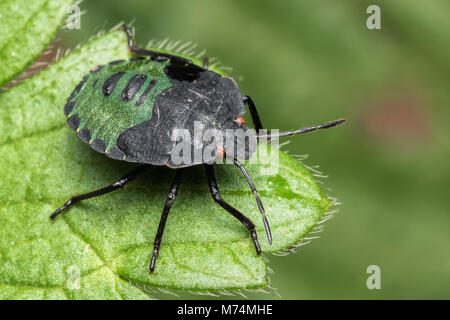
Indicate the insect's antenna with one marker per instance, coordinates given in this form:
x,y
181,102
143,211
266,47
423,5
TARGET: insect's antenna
x,y
258,199
302,130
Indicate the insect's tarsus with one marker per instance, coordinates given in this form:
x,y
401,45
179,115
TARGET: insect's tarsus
x,y
112,187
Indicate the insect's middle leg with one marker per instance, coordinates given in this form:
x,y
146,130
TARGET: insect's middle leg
x,y
112,187
214,190
253,112
162,223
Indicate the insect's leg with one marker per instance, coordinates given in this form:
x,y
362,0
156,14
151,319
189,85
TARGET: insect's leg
x,y
205,63
214,190
159,56
114,186
254,113
162,223
258,199
302,130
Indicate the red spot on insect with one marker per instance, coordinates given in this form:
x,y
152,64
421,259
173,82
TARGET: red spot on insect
x,y
240,120
220,153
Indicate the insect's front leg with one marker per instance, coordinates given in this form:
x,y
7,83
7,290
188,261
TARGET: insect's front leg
x,y
258,199
214,190
253,112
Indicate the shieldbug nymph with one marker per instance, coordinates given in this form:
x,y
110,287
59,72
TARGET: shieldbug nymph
x,y
128,110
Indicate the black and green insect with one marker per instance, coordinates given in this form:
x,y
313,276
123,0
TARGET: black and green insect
x,y
128,110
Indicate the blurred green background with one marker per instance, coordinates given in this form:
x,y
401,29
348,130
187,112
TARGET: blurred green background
x,y
306,62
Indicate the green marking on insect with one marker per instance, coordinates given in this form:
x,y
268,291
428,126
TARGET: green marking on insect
x,y
107,117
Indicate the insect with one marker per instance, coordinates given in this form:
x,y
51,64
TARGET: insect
x,y
128,110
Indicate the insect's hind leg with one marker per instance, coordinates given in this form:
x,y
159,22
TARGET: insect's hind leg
x,y
214,190
159,56
112,187
253,112
162,223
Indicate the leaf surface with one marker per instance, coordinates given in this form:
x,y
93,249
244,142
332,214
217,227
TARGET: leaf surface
x,y
26,29
101,247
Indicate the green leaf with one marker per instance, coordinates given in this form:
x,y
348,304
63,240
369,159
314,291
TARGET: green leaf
x,y
105,243
26,29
